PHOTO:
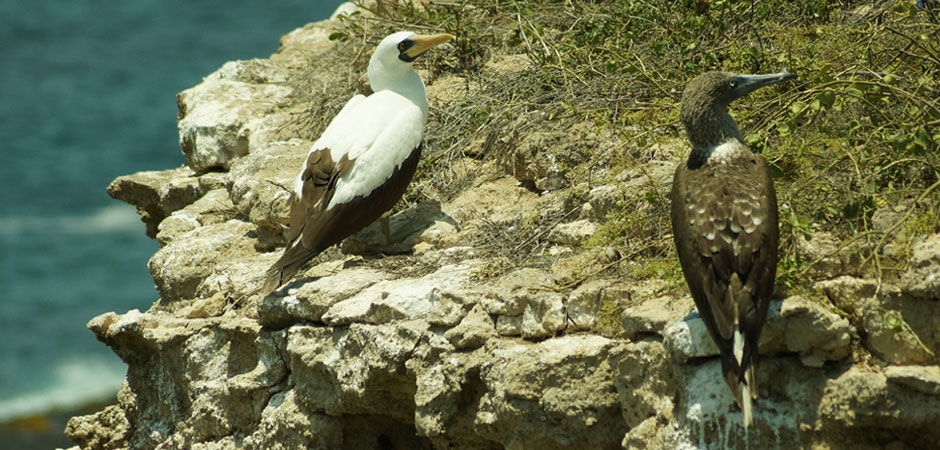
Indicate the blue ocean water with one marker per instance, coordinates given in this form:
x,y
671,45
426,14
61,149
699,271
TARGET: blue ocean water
x,y
89,93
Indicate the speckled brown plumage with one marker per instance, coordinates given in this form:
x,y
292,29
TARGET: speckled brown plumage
x,y
724,221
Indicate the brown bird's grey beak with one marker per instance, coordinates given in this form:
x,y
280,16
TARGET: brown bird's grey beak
x,y
745,84
424,42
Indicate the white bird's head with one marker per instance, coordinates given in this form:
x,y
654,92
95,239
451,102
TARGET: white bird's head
x,y
394,56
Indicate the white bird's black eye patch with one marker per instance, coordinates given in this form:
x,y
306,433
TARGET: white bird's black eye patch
x,y
403,48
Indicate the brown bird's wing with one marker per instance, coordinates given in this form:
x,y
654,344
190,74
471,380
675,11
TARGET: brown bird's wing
x,y
724,219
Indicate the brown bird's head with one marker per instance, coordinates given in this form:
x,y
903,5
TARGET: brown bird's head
x,y
705,101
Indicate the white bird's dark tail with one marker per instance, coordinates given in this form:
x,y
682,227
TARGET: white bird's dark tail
x,y
285,267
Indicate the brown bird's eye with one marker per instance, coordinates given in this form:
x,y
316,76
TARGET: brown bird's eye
x,y
401,46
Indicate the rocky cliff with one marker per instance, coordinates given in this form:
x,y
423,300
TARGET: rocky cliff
x,y
492,320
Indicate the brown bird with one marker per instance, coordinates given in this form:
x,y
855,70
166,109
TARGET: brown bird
x,y
724,221
364,160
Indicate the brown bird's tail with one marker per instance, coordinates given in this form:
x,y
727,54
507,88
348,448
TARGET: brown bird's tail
x,y
740,373
743,390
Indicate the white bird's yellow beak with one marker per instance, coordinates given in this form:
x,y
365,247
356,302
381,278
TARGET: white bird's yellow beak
x,y
424,42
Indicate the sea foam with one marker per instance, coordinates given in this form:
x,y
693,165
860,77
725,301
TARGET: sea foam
x,y
76,382
114,218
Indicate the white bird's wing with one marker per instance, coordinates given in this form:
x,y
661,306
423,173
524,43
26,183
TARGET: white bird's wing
x,y
387,130
349,106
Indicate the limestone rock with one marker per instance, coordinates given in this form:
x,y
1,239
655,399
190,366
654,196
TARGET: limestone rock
x,y
529,400
924,379
688,338
602,200
646,311
391,300
500,201
157,194
544,316
510,295
848,292
358,369
890,337
406,229
214,388
181,267
823,252
283,425
313,299
264,180
104,429
860,398
814,332
923,277
218,117
583,304
525,304
572,233
795,325
473,331
212,208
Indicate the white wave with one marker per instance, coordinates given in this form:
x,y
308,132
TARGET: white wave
x,y
116,218
75,383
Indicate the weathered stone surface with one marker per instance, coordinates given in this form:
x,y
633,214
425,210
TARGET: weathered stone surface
x,y
510,295
264,180
157,194
572,233
391,300
890,337
652,315
646,311
688,338
583,304
473,331
601,200
406,228
795,325
499,201
212,208
823,252
219,118
283,426
311,300
208,383
923,379
860,399
896,327
544,316
185,263
814,332
923,277
358,369
848,292
529,400
103,429
525,305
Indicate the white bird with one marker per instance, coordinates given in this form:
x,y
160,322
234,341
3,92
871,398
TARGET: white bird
x,y
361,165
